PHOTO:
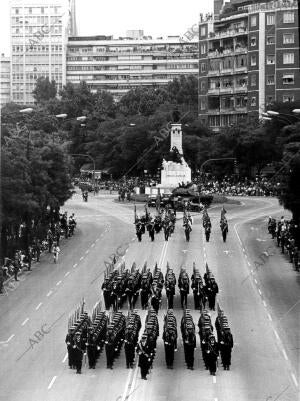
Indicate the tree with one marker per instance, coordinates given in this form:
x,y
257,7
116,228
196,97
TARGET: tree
x,y
35,177
44,90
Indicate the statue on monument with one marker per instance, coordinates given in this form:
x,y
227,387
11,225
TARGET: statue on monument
x,y
176,115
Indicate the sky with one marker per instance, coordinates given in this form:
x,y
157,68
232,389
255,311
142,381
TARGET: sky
x,y
114,17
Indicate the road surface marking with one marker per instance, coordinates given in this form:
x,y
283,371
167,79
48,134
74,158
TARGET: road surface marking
x,y
243,249
215,399
264,302
269,316
126,385
92,246
25,321
67,274
255,281
249,264
59,282
126,250
10,338
49,293
252,271
284,354
237,235
97,240
276,334
65,358
87,251
39,305
259,291
75,265
214,379
81,258
246,256
294,379
52,382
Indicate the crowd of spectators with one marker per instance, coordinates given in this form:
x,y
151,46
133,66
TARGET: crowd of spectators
x,y
22,258
209,184
229,185
285,232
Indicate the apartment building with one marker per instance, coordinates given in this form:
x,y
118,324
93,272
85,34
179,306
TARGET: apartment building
x,y
39,31
118,65
248,58
4,80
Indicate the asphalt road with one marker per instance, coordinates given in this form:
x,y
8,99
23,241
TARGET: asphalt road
x,y
263,309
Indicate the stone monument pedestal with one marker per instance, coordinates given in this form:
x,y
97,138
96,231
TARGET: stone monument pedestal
x,y
174,173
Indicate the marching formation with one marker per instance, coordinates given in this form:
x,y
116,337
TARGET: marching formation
x,y
123,286
164,220
88,336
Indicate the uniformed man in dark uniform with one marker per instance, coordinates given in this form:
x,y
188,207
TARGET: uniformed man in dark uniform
x,y
151,230
78,352
144,351
225,346
91,348
212,290
106,293
110,347
155,301
70,343
212,353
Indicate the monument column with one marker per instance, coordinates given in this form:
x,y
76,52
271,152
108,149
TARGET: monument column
x,y
176,137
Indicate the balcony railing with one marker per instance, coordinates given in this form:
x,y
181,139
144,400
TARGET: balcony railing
x,y
229,33
227,52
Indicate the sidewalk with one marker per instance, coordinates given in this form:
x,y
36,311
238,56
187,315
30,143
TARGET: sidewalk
x,y
10,284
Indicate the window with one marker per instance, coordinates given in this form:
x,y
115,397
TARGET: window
x,y
203,49
203,31
288,17
253,101
253,60
202,85
288,58
288,98
253,20
269,99
270,40
202,104
288,79
270,80
270,59
16,11
253,80
42,10
288,38
203,67
270,19
253,41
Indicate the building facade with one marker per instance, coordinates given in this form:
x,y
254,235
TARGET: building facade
x,y
118,65
248,58
39,30
4,80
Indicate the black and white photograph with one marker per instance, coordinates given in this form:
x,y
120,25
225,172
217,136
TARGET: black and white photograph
x,y
150,200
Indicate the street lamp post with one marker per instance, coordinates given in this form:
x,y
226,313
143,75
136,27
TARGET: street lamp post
x,y
210,160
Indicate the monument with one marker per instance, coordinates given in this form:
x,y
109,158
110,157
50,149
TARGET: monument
x,y
173,173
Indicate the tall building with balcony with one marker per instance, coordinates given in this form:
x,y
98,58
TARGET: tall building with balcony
x,y
118,65
248,58
39,31
4,80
